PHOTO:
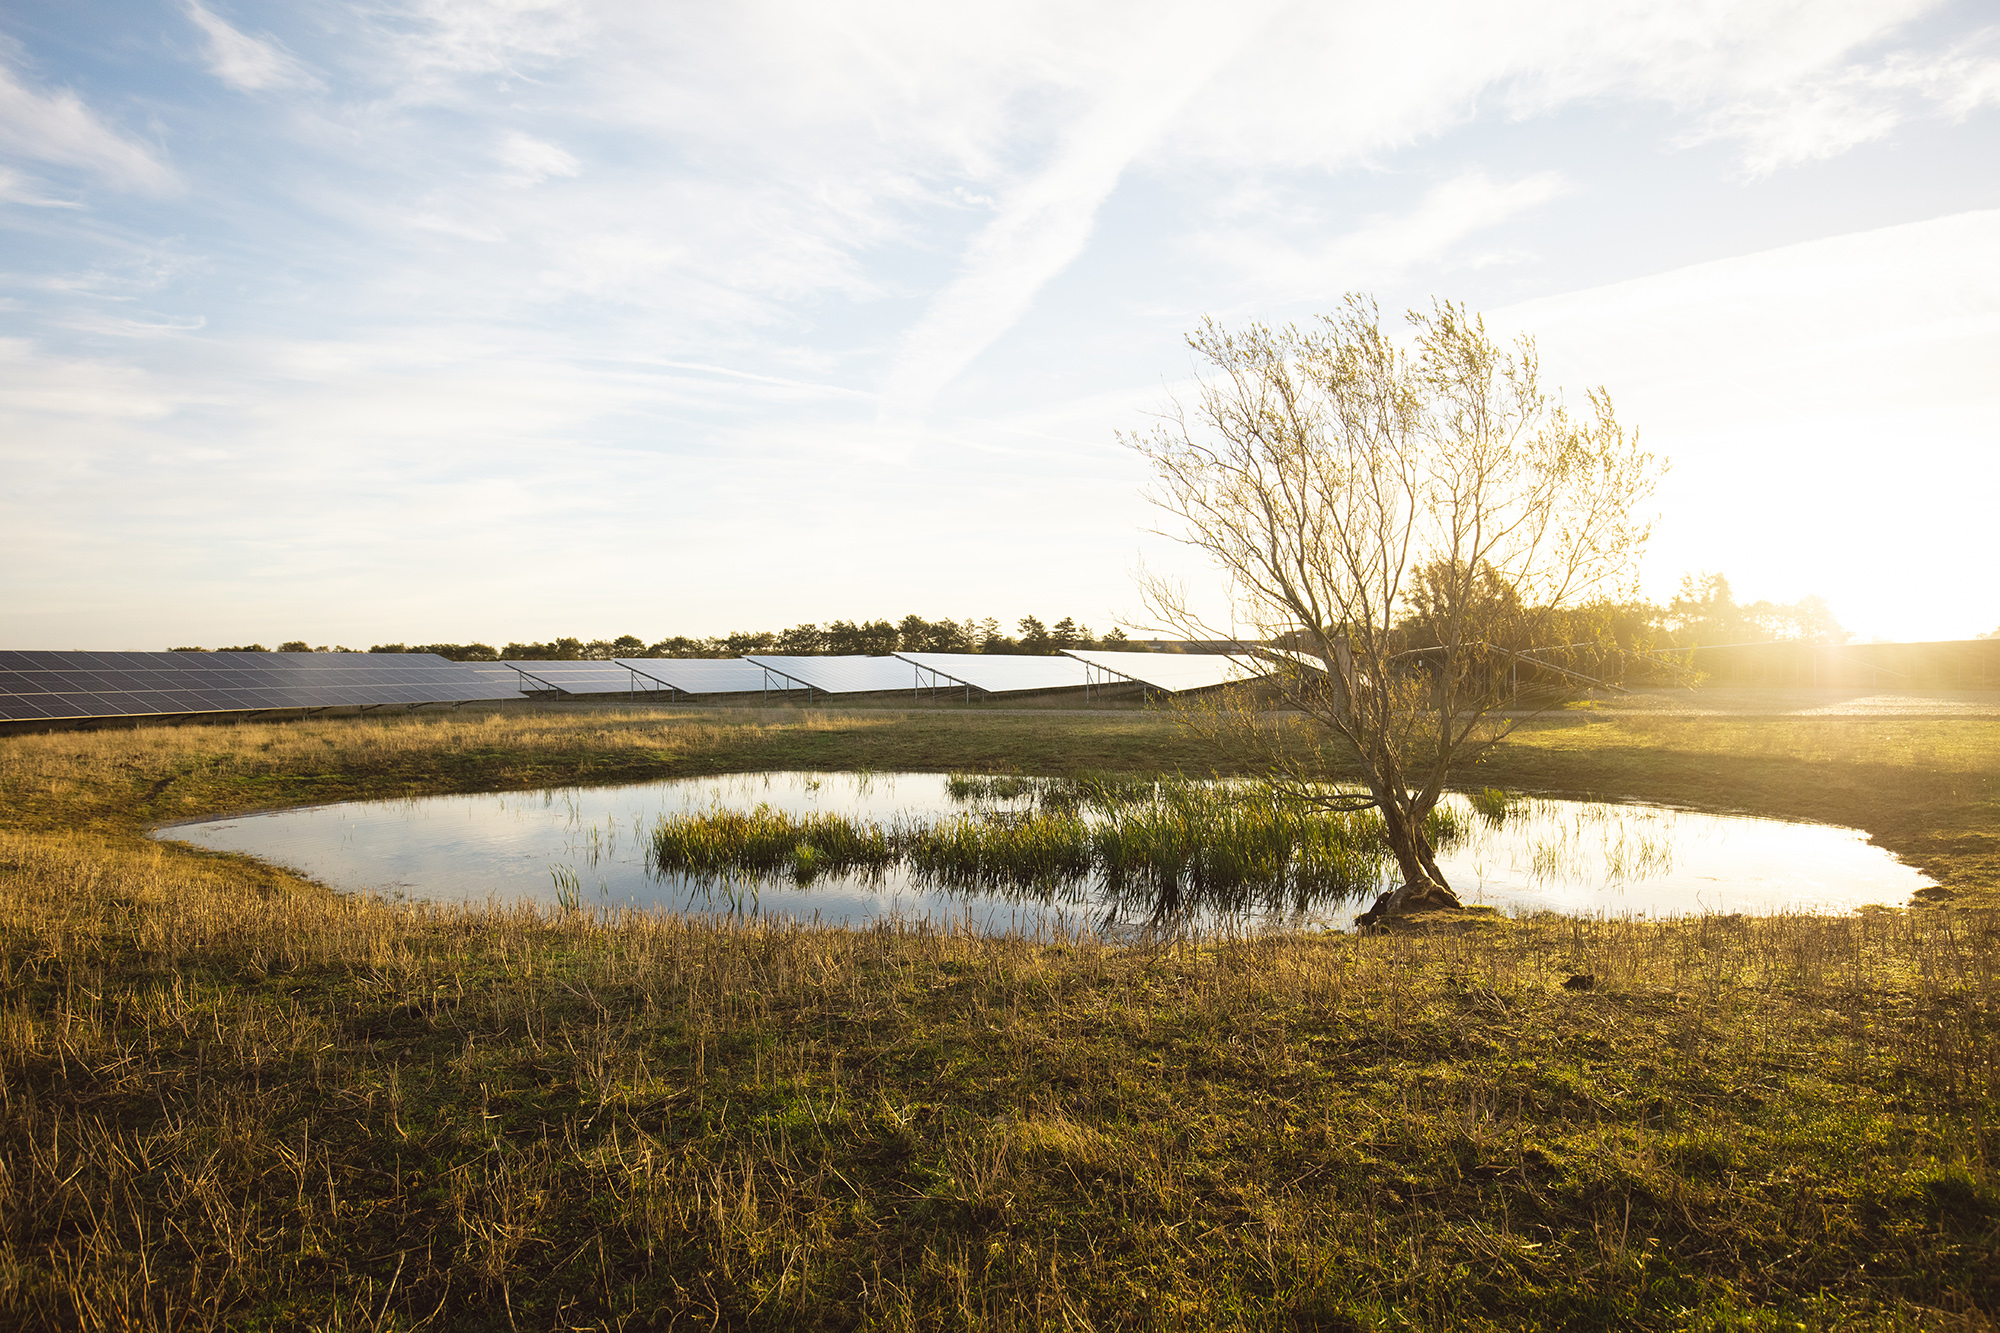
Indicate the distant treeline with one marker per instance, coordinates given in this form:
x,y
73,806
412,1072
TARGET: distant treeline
x,y
839,638
1704,613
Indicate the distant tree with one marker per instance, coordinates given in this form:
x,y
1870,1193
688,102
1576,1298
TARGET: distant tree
x,y
1116,639
244,648
801,641
557,650
457,652
1808,620
878,638
1401,518
187,650
844,638
917,635
680,645
627,645
1705,613
296,646
913,633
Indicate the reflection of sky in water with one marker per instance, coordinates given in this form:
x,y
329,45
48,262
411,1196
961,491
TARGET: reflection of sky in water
x,y
1642,860
1569,856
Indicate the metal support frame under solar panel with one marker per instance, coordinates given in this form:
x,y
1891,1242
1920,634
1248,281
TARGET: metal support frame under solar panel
x,y
557,679
916,686
957,668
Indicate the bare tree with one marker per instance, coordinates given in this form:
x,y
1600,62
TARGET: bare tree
x,y
1406,532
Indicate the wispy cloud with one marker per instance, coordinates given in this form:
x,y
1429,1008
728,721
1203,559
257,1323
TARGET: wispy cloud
x,y
247,64
1431,235
529,160
56,127
1825,114
468,252
1043,224
15,189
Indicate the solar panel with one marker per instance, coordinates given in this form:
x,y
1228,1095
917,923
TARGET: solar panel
x,y
1291,655
844,675
1174,672
1000,674
704,675
41,685
601,677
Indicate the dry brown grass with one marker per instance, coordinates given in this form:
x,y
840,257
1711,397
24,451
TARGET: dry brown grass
x,y
231,1099
227,1106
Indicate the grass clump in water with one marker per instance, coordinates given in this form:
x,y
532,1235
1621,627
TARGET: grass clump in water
x,y
1164,847
764,841
1077,791
1491,804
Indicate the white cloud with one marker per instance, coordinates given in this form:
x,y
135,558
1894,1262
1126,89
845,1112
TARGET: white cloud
x,y
838,151
247,64
36,385
1347,82
445,52
1384,247
529,160
57,127
1043,224
700,253
17,189
1828,112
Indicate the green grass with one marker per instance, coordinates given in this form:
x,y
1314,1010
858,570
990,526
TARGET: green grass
x,y
231,1099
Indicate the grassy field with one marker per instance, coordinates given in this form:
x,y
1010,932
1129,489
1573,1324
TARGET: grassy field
x,y
231,1099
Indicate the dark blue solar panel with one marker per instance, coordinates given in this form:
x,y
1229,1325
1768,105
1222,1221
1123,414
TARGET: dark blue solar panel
x,y
36,685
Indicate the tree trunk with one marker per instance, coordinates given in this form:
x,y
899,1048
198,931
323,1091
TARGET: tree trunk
x,y
1423,888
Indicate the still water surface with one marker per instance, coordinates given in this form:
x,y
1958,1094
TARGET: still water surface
x,y
1567,856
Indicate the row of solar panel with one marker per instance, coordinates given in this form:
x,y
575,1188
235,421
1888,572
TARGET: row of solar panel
x,y
36,686
34,707
28,660
62,685
32,682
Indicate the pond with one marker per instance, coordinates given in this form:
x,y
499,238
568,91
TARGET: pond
x,y
1042,856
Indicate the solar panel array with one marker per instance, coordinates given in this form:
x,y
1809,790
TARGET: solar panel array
x,y
63,686
705,675
844,675
584,677
1312,660
36,686
998,673
1175,672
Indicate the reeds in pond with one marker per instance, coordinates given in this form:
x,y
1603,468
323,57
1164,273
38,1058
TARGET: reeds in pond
x,y
1491,803
768,842
1163,847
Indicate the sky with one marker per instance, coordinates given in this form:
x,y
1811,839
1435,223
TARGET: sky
x,y
441,321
